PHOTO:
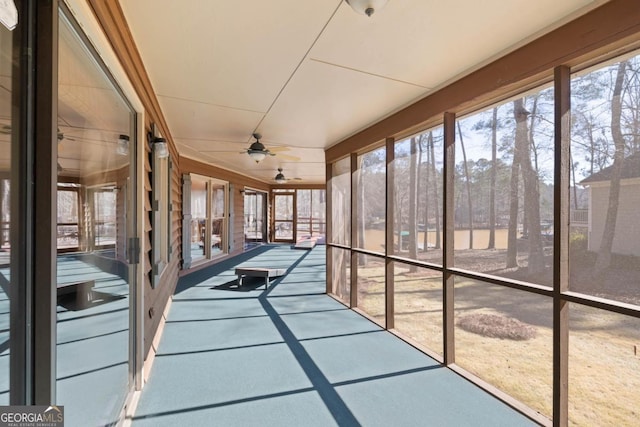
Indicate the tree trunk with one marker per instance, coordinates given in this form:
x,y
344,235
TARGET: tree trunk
x,y
436,203
466,173
397,216
361,223
524,145
606,244
512,234
492,193
413,205
425,213
575,187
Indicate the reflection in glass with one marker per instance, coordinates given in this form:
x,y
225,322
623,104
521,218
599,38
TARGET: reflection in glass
x,y
6,68
504,336
371,218
417,197
418,305
604,242
198,217
371,287
68,231
93,223
104,208
604,367
341,202
504,189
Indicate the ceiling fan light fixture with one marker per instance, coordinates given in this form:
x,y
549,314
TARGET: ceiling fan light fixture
x,y
366,7
280,179
257,150
258,156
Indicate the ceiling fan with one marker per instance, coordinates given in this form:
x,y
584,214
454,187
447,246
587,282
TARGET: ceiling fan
x,y
281,179
257,151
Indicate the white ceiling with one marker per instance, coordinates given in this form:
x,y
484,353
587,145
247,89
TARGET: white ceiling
x,y
308,74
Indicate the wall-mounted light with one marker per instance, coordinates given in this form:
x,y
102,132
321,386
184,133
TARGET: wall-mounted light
x,y
123,145
160,147
366,7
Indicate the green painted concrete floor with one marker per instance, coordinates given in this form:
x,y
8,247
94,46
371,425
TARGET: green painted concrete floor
x,y
293,356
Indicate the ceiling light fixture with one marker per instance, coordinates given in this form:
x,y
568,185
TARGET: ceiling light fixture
x,y
366,7
280,179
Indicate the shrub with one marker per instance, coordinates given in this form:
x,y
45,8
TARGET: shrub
x,y
578,242
496,326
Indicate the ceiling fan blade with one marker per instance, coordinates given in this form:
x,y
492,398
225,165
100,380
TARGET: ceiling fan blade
x,y
289,157
279,149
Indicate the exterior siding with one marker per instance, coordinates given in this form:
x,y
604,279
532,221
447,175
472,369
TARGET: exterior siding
x,y
627,234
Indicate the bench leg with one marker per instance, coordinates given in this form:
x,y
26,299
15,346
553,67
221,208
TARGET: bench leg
x,y
239,280
266,283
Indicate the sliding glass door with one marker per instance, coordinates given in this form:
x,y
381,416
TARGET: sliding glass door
x,y
255,220
209,226
96,216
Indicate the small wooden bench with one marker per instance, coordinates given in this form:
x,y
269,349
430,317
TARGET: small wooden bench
x,y
267,273
82,290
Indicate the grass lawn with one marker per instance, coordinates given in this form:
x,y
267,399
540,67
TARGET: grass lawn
x,y
604,372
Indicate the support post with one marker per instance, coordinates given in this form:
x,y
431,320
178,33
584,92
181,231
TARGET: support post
x,y
448,227
388,237
353,282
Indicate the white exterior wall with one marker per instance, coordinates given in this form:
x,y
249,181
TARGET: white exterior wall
x,y
627,235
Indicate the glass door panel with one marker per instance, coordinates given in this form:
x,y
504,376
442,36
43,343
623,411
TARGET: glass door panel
x,y
254,218
96,200
209,223
198,217
218,223
7,68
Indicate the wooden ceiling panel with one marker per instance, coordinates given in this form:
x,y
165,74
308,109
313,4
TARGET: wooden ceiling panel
x,y
229,53
197,120
428,42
